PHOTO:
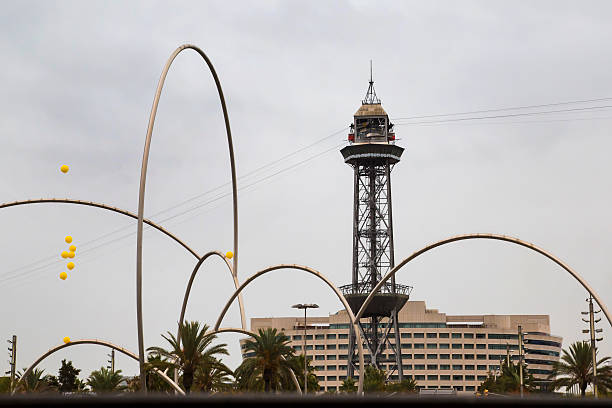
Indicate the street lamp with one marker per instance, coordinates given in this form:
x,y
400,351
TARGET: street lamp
x,y
305,306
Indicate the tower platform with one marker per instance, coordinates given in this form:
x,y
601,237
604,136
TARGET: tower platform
x,y
382,303
371,153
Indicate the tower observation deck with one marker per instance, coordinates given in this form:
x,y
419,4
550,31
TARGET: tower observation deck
x,y
372,153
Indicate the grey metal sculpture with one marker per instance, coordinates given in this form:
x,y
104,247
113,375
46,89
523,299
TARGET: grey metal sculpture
x,y
250,333
143,178
329,283
485,236
101,343
104,207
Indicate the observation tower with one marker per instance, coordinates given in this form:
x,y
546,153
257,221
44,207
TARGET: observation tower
x,y
372,153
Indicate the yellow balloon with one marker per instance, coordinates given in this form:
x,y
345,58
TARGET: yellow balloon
x,y
64,168
66,339
64,254
70,254
70,265
229,255
72,248
68,239
63,275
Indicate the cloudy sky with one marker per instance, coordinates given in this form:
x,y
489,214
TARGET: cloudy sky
x,y
78,79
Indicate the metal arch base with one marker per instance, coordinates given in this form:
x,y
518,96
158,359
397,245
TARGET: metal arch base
x,y
143,178
485,236
329,283
101,343
104,207
250,333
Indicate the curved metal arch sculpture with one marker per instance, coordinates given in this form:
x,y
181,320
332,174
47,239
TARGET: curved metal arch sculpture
x,y
250,333
101,343
190,283
143,178
104,207
329,283
484,236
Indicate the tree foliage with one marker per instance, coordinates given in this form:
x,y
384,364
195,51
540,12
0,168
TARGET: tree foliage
x,y
105,381
509,380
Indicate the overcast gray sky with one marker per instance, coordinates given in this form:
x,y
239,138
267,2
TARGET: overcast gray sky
x,y
78,79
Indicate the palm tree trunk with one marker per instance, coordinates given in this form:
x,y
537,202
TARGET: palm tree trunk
x,y
187,380
266,377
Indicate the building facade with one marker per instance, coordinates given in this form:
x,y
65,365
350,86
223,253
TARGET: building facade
x,y
437,350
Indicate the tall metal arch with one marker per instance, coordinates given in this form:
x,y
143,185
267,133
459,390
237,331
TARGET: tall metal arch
x,y
324,279
493,237
104,207
250,333
101,343
143,178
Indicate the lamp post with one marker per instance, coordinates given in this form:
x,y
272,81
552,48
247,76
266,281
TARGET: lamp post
x,y
305,306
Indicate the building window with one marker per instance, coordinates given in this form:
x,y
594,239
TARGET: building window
x,y
332,378
331,346
470,388
419,366
493,367
319,357
432,346
497,336
321,378
468,346
309,337
457,377
432,366
445,378
481,356
457,367
419,356
331,336
458,387
419,335
406,346
481,346
444,367
319,337
481,367
297,337
343,357
432,378
482,378
468,356
443,335
406,335
319,368
309,347
343,336
343,346
419,377
480,335
320,347
457,356
407,367
297,347
407,356
496,357
456,335
331,357
432,335
432,356
444,345
342,377
468,335
456,346
419,345
444,356
469,367
332,368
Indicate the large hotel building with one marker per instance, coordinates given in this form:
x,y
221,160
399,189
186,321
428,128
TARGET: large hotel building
x,y
437,350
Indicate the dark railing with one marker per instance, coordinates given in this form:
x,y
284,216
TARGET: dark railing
x,y
367,287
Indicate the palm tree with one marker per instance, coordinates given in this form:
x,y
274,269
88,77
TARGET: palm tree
x,y
269,366
34,382
213,375
297,364
407,385
105,380
576,368
196,350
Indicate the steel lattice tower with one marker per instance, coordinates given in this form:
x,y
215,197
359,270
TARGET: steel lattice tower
x,y
372,153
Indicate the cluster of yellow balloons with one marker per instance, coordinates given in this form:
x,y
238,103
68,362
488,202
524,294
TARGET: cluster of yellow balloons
x,y
64,168
68,254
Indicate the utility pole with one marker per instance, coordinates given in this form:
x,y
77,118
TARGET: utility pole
x,y
13,361
305,307
112,360
592,330
520,347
